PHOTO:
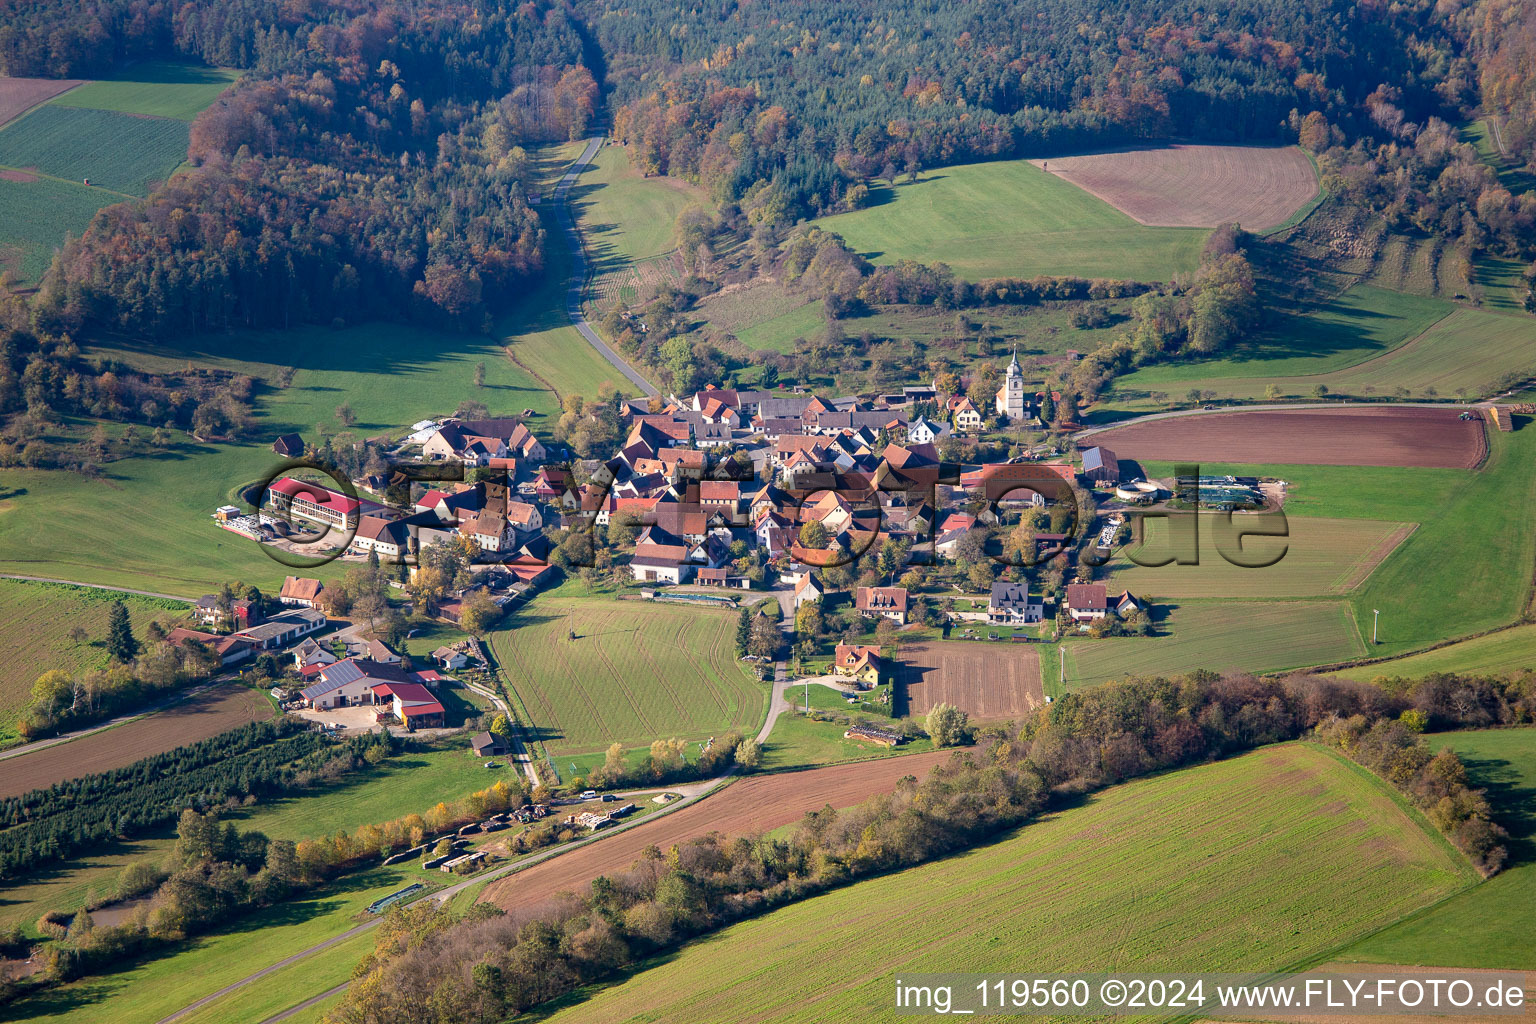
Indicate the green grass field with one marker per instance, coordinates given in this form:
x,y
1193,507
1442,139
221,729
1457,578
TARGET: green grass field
x,y
155,89
122,152
1255,636
1008,218
1509,650
779,333
35,622
1237,865
1316,557
1357,327
150,514
797,741
287,987
146,990
36,215
1489,925
1467,354
638,672
627,217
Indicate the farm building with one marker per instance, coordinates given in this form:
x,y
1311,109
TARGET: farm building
x,y
412,704
300,591
1101,466
284,629
487,744
289,446
874,734
230,649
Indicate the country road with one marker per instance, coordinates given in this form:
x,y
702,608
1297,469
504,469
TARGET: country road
x,y
578,283
94,586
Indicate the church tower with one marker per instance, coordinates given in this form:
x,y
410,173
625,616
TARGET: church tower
x,y
1010,397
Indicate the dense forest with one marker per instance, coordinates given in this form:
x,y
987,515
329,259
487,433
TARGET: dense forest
x,y
806,98
371,165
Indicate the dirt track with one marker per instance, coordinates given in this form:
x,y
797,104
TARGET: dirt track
x,y
991,680
752,805
1388,436
207,714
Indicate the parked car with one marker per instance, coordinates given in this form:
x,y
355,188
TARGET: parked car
x,y
590,794
609,797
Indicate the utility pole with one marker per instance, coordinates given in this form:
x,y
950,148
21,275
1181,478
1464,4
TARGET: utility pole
x,y
1375,621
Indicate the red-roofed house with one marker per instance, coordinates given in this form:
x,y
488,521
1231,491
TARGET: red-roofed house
x,y
890,602
413,704
1087,601
300,591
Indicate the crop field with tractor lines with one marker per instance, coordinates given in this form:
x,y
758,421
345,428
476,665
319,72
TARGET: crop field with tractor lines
x,y
127,153
636,672
1211,869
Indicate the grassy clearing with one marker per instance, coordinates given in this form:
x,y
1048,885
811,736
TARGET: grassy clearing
x,y
72,884
1316,557
780,332
1509,650
288,987
627,217
1401,493
637,672
1488,925
1256,636
147,990
35,216
1010,219
122,152
1230,866
150,515
36,620
156,89
797,741
1359,325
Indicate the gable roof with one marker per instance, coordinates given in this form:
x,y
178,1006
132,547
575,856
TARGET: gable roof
x,y
1087,596
301,588
873,599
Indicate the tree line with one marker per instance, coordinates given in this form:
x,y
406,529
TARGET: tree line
x,y
429,967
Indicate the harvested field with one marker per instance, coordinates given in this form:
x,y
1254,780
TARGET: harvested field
x,y
1388,436
989,680
1258,187
18,176
207,714
19,95
757,804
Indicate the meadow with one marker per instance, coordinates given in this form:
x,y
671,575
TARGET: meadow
x,y
126,153
1237,865
36,620
1255,636
1508,650
154,89
1316,556
627,217
638,671
151,514
1011,219
1470,353
797,741
1488,925
36,215
1357,326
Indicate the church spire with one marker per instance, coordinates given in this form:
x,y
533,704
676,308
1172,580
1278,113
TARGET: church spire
x,y
1013,367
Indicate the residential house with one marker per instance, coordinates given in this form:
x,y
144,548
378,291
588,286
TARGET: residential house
x,y
391,538
1087,601
1127,604
1010,604
809,588
230,649
922,430
242,613
966,417
886,602
450,659
859,662
312,652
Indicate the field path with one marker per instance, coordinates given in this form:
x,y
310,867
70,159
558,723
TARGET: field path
x,y
93,586
578,284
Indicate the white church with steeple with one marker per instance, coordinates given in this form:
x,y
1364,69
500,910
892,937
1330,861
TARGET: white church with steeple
x,y
1010,397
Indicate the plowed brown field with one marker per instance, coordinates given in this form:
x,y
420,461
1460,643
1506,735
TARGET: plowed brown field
x,y
1258,187
1387,436
18,95
989,679
757,804
207,714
